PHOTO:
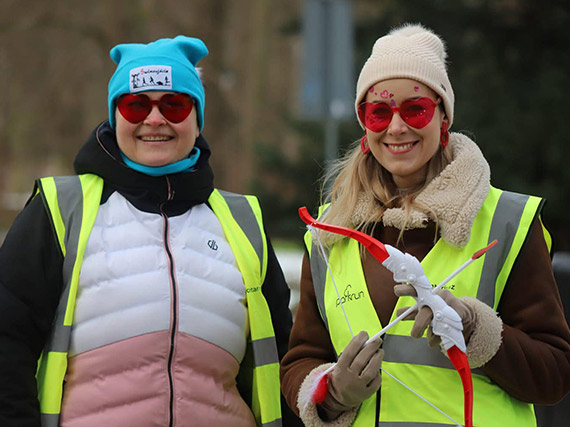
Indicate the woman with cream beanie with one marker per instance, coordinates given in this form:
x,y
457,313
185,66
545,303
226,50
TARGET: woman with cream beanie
x,y
411,183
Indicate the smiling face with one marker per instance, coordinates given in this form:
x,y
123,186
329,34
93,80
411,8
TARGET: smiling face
x,y
155,141
401,149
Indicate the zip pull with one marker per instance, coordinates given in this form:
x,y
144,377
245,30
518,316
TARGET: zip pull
x,y
170,189
169,194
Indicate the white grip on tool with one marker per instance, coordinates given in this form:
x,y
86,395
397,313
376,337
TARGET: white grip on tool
x,y
446,322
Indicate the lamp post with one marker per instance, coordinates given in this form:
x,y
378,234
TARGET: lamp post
x,y
327,89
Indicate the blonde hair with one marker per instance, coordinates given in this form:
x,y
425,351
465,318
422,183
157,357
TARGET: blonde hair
x,y
362,189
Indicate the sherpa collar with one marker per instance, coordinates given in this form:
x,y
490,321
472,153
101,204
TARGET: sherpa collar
x,y
456,195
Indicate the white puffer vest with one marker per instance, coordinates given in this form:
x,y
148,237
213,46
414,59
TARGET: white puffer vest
x,y
164,299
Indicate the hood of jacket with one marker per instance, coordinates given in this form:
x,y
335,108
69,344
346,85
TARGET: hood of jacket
x,y
455,196
171,194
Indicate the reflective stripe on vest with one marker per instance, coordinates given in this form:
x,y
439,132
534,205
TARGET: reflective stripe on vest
x,y
252,251
73,203
504,216
73,216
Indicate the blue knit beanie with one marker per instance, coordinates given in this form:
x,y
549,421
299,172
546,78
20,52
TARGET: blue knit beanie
x,y
164,65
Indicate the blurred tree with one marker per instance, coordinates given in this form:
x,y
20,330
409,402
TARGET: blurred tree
x,y
54,60
288,183
508,63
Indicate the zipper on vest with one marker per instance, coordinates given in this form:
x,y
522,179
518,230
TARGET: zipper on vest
x,y
174,302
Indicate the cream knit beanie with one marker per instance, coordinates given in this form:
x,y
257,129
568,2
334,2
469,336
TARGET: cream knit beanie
x,y
410,51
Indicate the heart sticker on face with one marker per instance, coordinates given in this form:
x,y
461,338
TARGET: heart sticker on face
x,y
384,94
416,88
371,89
391,95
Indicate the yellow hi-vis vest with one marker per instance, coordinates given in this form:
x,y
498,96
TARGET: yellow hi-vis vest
x,y
73,203
504,216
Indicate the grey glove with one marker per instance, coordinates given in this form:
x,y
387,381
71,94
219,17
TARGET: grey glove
x,y
355,377
424,316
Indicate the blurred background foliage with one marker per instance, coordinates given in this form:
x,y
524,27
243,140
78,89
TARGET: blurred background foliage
x,y
508,63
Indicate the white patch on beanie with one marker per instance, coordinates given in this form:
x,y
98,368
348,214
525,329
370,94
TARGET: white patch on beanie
x,y
150,77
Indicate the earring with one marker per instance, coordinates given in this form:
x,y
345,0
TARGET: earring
x,y
364,149
444,134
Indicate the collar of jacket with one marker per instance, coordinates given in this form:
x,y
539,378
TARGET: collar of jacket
x,y
455,196
172,194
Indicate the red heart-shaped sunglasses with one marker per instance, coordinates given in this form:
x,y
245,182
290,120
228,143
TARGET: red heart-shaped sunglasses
x,y
175,107
417,113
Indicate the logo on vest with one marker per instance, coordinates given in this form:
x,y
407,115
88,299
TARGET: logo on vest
x,y
212,245
349,296
449,286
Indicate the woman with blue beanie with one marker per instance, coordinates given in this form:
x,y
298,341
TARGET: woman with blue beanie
x,y
135,293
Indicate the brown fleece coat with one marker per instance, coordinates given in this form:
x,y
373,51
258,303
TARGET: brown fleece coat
x,y
532,362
